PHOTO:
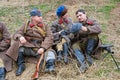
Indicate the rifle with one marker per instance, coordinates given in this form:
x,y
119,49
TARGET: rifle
x,y
36,73
107,47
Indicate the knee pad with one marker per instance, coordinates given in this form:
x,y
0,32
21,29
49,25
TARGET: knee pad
x,y
50,55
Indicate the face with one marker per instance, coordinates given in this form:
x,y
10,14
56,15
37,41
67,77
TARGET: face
x,y
81,17
65,16
37,19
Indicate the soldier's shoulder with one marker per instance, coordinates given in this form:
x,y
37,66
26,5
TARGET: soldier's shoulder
x,y
90,21
2,25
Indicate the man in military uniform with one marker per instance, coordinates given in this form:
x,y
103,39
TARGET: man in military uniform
x,y
58,27
31,40
86,33
5,61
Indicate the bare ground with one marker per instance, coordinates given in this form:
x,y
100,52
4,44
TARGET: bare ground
x,y
71,72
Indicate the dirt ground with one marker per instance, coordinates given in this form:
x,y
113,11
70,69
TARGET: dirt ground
x,y
70,72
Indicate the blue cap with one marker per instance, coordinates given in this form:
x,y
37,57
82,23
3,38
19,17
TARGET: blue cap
x,y
35,12
60,9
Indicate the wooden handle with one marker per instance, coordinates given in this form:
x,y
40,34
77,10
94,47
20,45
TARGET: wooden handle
x,y
36,73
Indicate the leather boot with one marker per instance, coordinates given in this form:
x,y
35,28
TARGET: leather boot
x,y
65,52
81,60
2,73
50,65
89,59
20,62
59,56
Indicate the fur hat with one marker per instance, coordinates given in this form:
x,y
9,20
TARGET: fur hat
x,y
35,12
61,11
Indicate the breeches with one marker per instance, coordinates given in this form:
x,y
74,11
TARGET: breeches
x,y
79,45
27,51
49,54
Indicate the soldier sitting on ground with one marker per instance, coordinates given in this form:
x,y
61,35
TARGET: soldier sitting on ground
x,y
86,40
5,61
58,26
30,41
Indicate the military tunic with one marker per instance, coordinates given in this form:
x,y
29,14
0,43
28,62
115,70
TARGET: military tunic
x,y
31,35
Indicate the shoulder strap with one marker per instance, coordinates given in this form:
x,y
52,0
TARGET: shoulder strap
x,y
25,27
41,31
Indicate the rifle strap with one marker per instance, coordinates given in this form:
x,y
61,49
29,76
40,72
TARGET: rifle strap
x,y
25,27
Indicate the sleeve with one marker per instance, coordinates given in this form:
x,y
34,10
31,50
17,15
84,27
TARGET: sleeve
x,y
6,39
19,33
94,28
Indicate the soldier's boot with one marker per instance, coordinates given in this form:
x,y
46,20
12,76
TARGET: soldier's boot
x,y
59,58
50,62
90,47
81,59
51,65
89,59
20,62
65,52
2,73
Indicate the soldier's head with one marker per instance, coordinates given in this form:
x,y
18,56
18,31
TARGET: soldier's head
x,y
61,11
81,15
36,16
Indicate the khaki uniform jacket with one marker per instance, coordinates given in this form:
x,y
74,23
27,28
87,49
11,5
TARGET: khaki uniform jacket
x,y
30,34
5,41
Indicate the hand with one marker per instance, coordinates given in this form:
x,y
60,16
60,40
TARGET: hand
x,y
84,28
40,51
76,27
60,31
22,40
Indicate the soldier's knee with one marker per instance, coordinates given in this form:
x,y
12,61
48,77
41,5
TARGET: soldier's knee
x,y
21,49
50,55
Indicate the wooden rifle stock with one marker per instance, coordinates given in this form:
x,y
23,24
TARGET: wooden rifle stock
x,y
36,73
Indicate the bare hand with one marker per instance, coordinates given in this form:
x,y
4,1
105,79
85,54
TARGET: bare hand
x,y
22,40
84,28
40,51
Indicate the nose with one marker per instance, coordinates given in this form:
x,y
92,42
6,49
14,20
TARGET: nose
x,y
79,17
40,17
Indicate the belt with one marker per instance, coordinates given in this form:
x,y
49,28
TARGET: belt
x,y
36,41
